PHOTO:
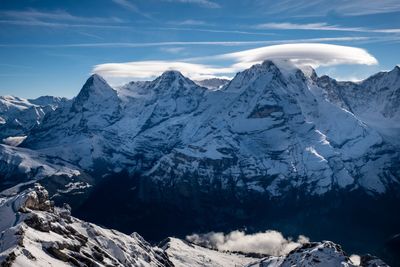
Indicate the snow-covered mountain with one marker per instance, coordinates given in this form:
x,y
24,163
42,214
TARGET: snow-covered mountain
x,y
273,128
19,115
277,141
35,233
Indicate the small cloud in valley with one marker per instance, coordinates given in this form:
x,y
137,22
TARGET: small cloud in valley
x,y
269,242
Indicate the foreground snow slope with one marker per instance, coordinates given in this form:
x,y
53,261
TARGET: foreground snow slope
x,y
183,253
35,233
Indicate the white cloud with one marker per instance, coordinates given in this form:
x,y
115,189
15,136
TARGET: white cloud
x,y
268,242
202,3
152,69
312,54
355,259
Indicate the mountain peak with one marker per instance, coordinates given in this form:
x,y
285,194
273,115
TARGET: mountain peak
x,y
97,88
171,75
172,80
96,78
269,64
95,83
288,68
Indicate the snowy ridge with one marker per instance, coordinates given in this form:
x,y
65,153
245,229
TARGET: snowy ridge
x,y
34,233
322,254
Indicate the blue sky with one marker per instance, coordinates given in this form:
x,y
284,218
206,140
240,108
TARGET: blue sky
x,y
51,47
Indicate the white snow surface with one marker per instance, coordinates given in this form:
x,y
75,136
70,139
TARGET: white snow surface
x,y
61,240
184,254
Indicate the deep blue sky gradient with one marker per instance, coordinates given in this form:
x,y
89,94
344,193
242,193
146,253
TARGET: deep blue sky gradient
x,y
50,47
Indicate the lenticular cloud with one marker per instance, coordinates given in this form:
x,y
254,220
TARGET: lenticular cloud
x,y
312,54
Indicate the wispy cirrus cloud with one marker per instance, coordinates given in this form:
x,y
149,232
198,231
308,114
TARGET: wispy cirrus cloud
x,y
313,54
126,4
56,15
210,30
173,50
304,8
189,22
320,26
36,23
56,18
190,43
202,3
